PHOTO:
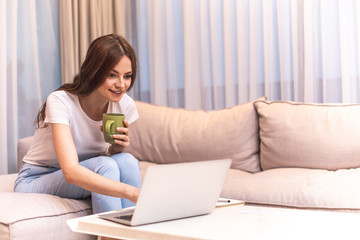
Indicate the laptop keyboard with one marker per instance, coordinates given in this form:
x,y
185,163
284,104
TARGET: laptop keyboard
x,y
127,217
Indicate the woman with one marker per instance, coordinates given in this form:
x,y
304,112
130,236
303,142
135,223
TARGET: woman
x,y
69,157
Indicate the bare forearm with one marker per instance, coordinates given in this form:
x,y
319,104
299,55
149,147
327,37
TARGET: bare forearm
x,y
93,182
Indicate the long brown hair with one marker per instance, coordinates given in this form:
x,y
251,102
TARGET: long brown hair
x,y
103,54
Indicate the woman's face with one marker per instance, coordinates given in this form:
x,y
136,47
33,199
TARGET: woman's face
x,y
118,81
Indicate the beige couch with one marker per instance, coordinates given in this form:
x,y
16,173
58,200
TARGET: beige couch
x,y
285,154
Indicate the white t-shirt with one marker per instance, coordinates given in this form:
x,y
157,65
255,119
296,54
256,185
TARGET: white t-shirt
x,y
63,107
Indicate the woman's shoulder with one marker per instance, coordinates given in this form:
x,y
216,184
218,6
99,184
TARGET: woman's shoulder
x,y
62,95
62,99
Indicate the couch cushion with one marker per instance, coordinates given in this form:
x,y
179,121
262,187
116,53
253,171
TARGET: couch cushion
x,y
318,136
34,205
40,216
296,187
169,135
7,182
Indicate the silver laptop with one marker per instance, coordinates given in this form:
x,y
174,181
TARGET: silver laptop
x,y
174,191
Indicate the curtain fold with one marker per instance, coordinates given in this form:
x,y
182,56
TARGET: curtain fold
x,y
3,88
243,51
82,21
192,58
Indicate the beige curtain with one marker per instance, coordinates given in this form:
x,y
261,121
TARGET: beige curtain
x,y
81,21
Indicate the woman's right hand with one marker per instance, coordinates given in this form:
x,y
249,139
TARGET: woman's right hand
x,y
133,193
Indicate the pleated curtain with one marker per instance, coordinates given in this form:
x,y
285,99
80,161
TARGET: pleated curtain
x,y
29,70
196,54
210,54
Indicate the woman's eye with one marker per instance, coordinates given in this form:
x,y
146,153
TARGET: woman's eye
x,y
111,75
129,76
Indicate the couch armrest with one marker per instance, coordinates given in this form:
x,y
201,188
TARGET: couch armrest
x,y
23,146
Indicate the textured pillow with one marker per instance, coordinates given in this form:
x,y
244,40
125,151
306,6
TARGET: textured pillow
x,y
318,136
172,135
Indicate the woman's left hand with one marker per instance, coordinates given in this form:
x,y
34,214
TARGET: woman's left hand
x,y
121,140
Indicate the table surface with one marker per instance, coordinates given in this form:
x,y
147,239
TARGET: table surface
x,y
234,222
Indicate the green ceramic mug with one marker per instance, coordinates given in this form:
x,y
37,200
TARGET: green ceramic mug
x,y
111,121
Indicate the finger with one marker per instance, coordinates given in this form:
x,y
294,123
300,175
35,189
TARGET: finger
x,y
101,128
126,123
121,137
123,130
122,143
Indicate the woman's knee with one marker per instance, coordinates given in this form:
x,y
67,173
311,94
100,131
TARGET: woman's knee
x,y
126,160
129,169
102,165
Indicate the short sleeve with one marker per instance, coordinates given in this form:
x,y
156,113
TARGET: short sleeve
x,y
56,110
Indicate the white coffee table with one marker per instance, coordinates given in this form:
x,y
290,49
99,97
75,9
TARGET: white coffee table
x,y
234,222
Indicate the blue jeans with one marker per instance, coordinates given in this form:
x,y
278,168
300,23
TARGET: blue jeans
x,y
121,167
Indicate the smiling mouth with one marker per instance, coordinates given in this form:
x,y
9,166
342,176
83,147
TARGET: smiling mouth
x,y
116,92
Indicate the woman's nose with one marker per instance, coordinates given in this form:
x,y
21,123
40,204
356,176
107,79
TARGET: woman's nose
x,y
120,83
